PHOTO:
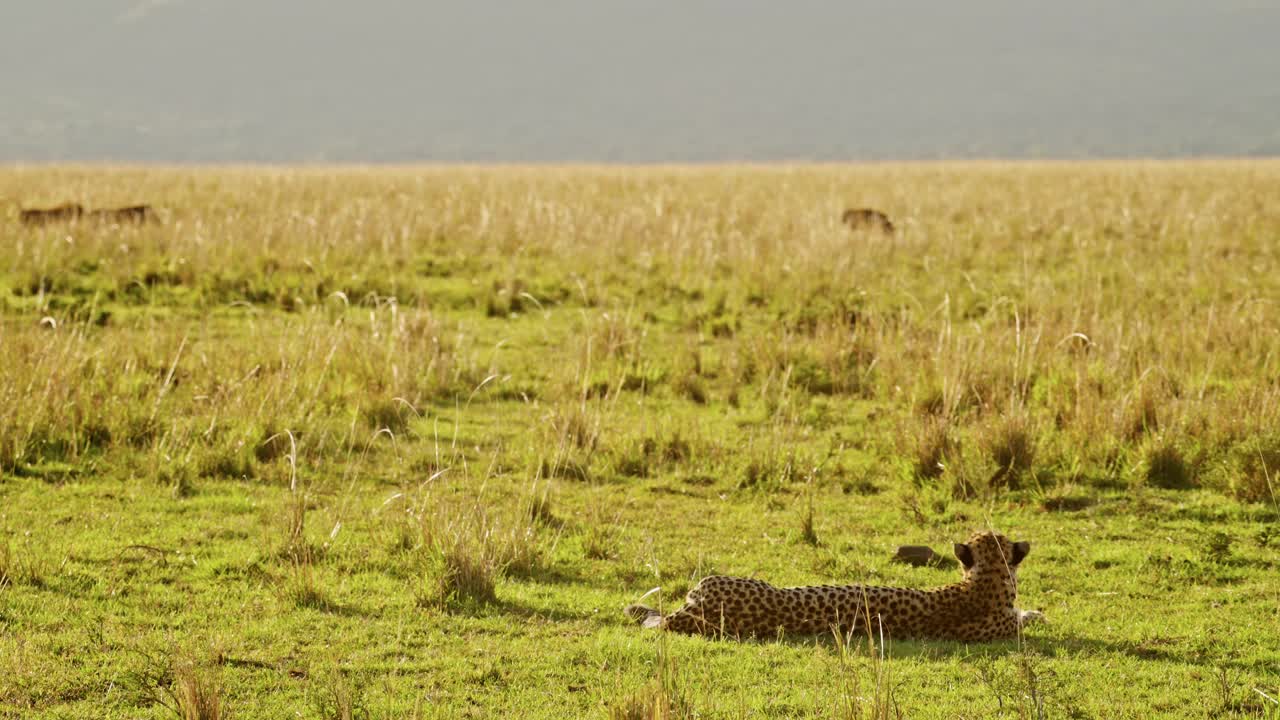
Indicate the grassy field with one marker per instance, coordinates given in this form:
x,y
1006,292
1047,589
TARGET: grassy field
x,y
384,443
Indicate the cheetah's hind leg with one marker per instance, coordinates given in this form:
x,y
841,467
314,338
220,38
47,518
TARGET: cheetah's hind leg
x,y
645,615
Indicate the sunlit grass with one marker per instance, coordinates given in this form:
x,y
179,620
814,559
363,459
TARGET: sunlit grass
x,y
430,429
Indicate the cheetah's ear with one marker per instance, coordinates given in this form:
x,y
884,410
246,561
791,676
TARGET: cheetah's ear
x,y
1020,550
964,555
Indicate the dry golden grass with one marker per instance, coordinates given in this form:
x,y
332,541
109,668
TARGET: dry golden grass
x,y
1095,303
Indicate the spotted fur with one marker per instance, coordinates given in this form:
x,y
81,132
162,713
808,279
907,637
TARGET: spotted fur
x,y
44,216
137,214
867,218
978,608
70,212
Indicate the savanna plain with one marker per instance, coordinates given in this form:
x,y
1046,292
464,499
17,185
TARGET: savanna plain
x,y
403,442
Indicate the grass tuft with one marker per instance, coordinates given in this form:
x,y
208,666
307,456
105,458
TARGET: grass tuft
x,y
601,534
466,553
663,698
934,445
340,696
691,387
808,530
538,508
20,566
1142,416
1010,445
1251,471
301,589
196,691
393,415
296,547
1164,465
460,572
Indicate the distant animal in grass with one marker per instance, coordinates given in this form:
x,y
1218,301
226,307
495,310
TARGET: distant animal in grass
x,y
978,608
71,212
45,216
867,219
137,214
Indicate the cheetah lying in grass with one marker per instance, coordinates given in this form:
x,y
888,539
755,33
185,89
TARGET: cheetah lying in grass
x,y
978,608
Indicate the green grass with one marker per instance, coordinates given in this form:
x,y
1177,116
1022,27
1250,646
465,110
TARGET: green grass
x,y
358,443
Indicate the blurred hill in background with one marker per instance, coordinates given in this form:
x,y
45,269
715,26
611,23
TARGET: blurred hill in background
x,y
658,81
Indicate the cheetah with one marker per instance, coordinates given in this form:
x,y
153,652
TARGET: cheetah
x,y
978,608
858,218
71,212
136,214
44,216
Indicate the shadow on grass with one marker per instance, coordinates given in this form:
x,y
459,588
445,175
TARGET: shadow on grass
x,y
1145,650
549,575
1055,647
328,606
500,607
528,611
1045,647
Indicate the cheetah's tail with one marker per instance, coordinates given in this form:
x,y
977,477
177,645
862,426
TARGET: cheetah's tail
x,y
643,614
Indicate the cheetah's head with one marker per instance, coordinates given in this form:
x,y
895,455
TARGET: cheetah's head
x,y
988,553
